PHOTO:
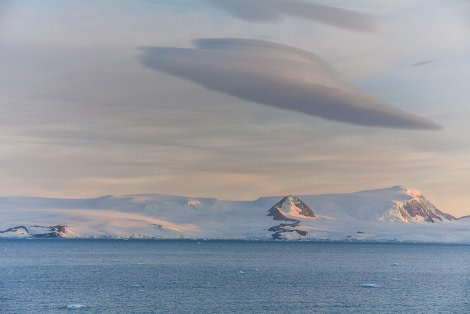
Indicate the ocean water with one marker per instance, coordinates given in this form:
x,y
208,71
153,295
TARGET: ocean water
x,y
144,276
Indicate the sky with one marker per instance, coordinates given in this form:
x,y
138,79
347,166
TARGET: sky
x,y
235,99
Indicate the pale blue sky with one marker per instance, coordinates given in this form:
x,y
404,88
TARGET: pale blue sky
x,y
82,116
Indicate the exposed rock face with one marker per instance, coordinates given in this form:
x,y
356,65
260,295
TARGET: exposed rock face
x,y
58,231
287,232
419,208
289,205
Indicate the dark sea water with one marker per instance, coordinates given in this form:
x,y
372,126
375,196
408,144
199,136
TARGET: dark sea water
x,y
140,276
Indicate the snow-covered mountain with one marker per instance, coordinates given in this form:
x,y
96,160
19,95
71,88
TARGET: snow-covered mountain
x,y
289,209
387,214
418,209
290,206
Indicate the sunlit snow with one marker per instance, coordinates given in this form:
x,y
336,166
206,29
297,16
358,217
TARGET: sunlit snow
x,y
392,214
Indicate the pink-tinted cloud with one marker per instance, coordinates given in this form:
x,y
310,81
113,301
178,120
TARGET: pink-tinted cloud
x,y
275,10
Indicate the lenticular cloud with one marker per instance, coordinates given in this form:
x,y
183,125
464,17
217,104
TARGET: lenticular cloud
x,y
274,10
279,76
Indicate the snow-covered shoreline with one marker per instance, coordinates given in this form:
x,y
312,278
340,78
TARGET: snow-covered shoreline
x,y
391,214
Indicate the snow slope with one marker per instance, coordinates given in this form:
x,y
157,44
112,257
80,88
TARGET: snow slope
x,y
376,215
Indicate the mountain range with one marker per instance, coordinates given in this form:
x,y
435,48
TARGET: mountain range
x,y
390,214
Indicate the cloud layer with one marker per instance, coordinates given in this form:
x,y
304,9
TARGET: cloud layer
x,y
274,10
279,76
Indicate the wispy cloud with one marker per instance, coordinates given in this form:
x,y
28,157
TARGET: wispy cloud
x,y
417,64
275,10
280,76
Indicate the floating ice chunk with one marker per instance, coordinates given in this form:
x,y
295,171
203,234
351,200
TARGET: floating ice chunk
x,y
193,203
370,285
75,306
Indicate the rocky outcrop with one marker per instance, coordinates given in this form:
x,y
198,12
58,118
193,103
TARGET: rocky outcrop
x,y
284,210
287,231
290,205
419,208
35,231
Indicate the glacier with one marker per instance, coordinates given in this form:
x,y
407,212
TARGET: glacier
x,y
390,214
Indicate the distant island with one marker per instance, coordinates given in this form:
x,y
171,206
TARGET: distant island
x,y
391,214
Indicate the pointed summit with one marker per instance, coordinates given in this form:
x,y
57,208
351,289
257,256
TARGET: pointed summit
x,y
418,208
292,206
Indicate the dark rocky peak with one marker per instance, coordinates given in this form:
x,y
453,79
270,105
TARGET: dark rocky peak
x,y
290,205
419,208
